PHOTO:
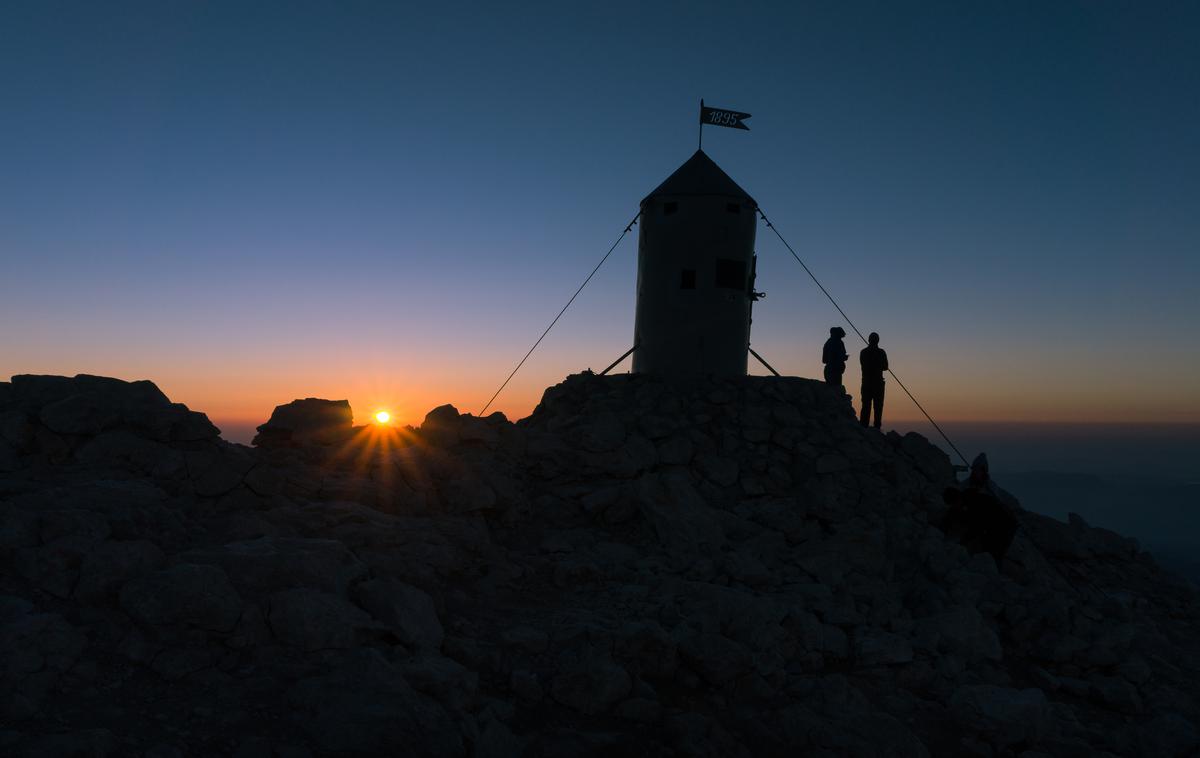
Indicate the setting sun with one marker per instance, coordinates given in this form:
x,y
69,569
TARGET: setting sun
x,y
383,417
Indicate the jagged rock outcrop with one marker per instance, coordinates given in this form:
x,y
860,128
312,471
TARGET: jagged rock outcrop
x,y
306,422
714,567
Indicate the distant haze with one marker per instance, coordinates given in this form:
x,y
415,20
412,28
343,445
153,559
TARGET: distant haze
x,y
1141,480
1138,451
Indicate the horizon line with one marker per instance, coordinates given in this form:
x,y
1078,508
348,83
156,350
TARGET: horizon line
x,y
920,420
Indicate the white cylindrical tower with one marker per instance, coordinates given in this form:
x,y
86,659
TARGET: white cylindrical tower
x,y
695,274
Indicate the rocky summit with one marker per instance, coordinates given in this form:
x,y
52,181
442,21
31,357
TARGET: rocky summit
x,y
706,568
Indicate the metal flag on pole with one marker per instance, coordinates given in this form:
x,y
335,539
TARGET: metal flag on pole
x,y
723,117
720,117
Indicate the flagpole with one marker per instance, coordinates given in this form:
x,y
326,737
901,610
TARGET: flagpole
x,y
700,139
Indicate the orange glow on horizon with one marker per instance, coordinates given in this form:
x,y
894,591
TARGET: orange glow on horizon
x,y
238,398
237,414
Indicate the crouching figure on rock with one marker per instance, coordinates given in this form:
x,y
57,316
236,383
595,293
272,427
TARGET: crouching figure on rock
x,y
976,517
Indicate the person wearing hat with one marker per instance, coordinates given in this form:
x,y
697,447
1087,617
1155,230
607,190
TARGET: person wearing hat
x,y
834,356
873,360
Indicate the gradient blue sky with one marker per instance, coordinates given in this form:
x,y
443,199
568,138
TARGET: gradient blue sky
x,y
251,202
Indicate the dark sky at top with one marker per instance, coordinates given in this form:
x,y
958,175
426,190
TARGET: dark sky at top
x,y
250,202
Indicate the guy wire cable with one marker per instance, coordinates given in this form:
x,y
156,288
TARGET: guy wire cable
x,y
860,334
560,313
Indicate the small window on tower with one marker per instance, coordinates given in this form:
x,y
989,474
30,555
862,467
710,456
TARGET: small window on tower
x,y
731,274
687,279
733,207
669,208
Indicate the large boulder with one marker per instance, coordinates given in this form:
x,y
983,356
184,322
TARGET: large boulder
x,y
107,567
442,426
406,610
307,422
185,595
361,704
268,564
35,649
961,631
314,620
85,405
37,390
686,526
1002,715
589,682
16,429
716,658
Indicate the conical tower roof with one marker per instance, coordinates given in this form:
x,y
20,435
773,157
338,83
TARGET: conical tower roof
x,y
699,175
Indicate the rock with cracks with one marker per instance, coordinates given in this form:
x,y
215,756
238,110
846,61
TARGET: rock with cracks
x,y
728,567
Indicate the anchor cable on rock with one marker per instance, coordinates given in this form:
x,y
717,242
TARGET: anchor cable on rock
x,y
1022,528
816,281
521,363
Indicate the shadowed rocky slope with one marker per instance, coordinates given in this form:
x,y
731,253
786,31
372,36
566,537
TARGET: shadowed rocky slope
x,y
719,568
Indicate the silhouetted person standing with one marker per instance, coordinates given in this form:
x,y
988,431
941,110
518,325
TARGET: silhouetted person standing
x,y
834,356
873,360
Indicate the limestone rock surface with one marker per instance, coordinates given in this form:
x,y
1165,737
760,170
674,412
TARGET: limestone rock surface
x,y
641,567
